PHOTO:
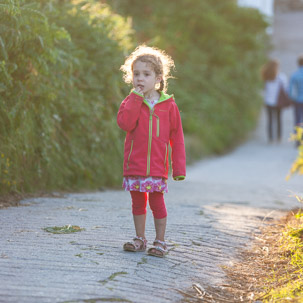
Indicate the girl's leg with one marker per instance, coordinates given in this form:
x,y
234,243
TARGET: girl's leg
x,y
157,205
139,202
160,225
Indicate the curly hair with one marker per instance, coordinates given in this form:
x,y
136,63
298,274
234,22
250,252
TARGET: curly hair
x,y
160,62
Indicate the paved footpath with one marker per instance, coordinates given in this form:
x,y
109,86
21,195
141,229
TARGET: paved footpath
x,y
211,214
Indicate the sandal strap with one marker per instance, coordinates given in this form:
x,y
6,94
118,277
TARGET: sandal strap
x,y
160,242
137,246
143,240
163,250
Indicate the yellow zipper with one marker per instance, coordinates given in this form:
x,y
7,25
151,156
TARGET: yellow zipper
x,y
131,149
151,132
165,156
150,135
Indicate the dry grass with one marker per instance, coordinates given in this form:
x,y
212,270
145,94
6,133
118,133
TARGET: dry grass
x,y
271,271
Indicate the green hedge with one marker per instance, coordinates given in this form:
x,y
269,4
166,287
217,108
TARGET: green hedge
x,y
60,85
218,48
60,88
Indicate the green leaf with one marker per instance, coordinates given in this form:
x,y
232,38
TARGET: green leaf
x,y
66,229
41,41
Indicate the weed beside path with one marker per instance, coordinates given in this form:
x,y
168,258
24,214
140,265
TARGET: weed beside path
x,y
270,271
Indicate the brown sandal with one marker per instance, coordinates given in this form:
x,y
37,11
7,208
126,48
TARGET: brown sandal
x,y
134,247
158,251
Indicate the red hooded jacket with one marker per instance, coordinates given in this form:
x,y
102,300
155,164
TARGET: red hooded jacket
x,y
149,131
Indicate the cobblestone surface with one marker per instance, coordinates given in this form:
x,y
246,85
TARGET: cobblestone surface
x,y
211,215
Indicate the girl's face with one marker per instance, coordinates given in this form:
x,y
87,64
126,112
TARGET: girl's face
x,y
144,78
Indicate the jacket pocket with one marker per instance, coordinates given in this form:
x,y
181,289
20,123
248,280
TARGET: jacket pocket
x,y
162,124
165,158
130,152
158,125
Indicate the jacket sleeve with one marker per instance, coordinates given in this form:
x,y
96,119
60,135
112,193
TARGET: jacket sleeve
x,y
129,112
178,157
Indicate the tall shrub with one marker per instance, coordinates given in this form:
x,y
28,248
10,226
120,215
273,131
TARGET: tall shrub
x,y
59,91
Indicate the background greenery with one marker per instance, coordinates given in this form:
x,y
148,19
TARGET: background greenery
x,y
297,166
60,85
218,48
60,89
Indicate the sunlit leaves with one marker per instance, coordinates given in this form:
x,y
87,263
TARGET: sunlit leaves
x,y
60,88
297,166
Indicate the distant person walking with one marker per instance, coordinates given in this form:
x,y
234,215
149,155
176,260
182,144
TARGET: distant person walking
x,y
152,121
296,92
275,81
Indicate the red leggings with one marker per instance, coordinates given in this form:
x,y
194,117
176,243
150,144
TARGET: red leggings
x,y
156,203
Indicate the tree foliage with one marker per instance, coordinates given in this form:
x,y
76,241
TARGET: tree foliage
x,y
59,86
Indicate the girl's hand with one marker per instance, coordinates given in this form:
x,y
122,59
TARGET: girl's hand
x,y
139,90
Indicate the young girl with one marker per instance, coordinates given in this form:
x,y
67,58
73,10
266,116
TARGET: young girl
x,y
152,121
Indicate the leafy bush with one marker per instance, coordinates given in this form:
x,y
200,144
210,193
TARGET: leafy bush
x,y
297,166
218,48
59,86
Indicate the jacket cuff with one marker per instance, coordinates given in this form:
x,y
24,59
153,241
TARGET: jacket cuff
x,y
179,178
136,93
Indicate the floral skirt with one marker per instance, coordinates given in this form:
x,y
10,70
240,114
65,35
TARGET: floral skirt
x,y
145,184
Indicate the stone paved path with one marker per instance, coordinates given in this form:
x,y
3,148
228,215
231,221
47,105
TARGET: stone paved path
x,y
211,214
